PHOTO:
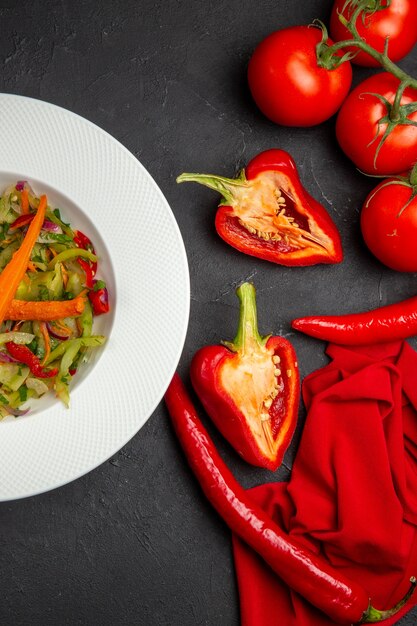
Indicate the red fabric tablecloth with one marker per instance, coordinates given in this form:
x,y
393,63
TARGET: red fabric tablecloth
x,y
353,490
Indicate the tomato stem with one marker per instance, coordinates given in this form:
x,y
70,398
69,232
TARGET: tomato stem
x,y
413,176
361,8
395,113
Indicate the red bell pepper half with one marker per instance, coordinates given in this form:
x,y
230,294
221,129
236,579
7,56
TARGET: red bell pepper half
x,y
267,213
250,388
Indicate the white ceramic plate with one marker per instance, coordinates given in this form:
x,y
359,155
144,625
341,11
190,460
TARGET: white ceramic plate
x,y
103,190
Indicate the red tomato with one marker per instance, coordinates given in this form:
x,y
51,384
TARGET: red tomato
x,y
287,84
389,226
398,22
359,128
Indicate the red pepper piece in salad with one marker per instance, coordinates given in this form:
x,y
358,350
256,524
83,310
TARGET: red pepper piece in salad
x,y
22,220
99,297
82,241
24,355
98,294
250,388
267,213
88,271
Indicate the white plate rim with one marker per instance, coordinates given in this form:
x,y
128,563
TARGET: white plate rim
x,y
26,486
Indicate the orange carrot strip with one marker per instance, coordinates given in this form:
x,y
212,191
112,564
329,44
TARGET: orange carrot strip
x,y
46,310
63,327
65,275
46,340
16,268
32,267
24,200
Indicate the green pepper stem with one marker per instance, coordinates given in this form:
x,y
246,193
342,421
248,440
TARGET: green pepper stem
x,y
247,337
373,616
224,186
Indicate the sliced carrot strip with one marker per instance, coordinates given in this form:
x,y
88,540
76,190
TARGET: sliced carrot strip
x,y
32,267
64,327
46,310
24,200
16,268
65,275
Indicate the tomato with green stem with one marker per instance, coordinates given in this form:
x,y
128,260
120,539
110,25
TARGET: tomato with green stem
x,y
376,126
389,222
391,23
290,84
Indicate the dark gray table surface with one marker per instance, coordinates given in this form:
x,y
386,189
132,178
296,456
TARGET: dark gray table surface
x,y
134,542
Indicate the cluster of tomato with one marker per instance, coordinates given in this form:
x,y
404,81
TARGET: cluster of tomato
x,y
294,84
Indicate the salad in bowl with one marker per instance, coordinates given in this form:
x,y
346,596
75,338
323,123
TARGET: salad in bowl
x,y
50,294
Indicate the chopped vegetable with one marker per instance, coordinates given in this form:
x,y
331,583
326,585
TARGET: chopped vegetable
x,y
47,272
16,268
24,199
47,310
26,356
99,298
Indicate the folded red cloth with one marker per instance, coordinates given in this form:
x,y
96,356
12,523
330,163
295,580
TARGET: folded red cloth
x,y
352,495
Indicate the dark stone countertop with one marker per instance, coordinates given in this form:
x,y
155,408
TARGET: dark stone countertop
x,y
133,542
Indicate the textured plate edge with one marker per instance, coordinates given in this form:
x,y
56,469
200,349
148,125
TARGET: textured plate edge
x,y
187,294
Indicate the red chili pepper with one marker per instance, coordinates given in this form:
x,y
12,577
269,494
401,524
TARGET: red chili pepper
x,y
26,356
387,323
99,299
22,220
250,388
343,600
267,213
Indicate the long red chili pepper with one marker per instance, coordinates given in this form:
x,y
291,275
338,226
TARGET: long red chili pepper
x,y
26,356
387,323
250,387
343,600
267,213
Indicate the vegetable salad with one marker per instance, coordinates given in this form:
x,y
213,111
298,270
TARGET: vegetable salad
x,y
47,326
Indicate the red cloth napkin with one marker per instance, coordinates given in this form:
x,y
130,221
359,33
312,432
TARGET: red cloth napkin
x,y
353,490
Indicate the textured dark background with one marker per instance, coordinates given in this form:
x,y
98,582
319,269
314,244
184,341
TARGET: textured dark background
x,y
133,542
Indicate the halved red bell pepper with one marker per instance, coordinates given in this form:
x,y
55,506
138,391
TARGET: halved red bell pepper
x,y
267,213
250,388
